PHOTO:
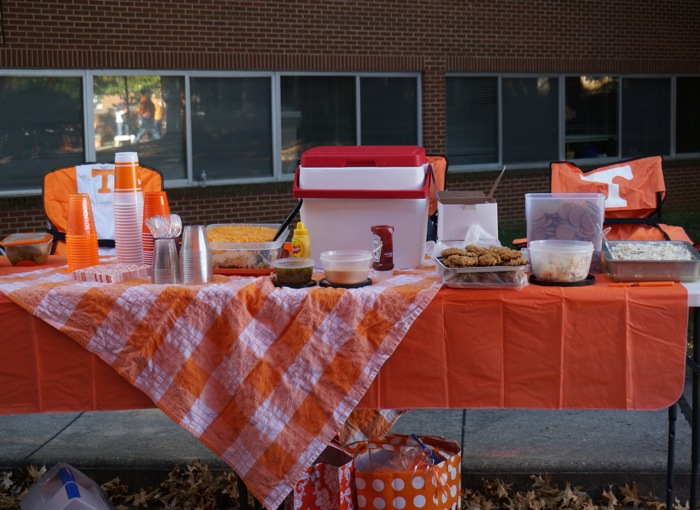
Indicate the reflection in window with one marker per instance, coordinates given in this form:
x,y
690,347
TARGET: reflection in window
x,y
316,110
530,120
591,117
41,128
688,114
472,120
389,111
646,117
145,114
232,127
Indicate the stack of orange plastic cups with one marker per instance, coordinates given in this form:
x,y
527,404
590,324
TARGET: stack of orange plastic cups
x,y
128,208
81,235
155,203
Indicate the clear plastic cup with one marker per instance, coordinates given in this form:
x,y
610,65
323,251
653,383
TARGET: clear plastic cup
x,y
195,256
166,263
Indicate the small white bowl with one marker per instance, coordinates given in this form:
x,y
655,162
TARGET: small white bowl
x,y
559,261
346,267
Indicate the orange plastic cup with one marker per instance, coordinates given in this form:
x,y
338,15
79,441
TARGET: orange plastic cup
x,y
80,219
155,203
127,173
82,251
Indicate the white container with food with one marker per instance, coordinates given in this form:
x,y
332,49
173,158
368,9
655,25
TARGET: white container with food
x,y
346,267
557,261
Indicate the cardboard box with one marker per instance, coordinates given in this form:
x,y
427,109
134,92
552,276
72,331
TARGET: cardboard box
x,y
458,211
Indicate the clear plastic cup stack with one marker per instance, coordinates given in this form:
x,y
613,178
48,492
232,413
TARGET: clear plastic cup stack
x,y
128,208
195,256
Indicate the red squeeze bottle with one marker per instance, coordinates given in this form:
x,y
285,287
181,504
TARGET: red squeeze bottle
x,y
382,238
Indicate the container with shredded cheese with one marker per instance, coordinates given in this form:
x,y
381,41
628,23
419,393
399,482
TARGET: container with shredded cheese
x,y
245,246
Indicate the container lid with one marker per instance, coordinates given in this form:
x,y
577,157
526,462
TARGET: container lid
x,y
27,238
363,156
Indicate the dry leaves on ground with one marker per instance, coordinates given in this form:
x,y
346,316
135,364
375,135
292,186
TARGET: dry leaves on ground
x,y
198,487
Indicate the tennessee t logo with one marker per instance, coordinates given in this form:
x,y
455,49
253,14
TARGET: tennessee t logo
x,y
606,177
104,176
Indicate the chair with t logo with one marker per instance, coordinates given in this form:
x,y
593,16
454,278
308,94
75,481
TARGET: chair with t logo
x,y
635,191
97,180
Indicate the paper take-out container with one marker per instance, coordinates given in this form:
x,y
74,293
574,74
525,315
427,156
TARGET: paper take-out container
x,y
458,211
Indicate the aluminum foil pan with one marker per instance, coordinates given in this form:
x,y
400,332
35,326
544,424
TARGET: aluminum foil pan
x,y
651,261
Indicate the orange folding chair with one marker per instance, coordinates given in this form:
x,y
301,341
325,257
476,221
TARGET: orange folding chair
x,y
440,165
634,192
97,180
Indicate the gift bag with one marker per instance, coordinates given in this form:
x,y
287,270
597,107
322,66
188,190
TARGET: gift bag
x,y
399,471
327,485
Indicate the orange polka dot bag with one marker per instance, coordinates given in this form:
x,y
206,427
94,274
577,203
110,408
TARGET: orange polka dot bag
x,y
407,472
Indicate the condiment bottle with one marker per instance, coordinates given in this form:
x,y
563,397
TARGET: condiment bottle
x,y
383,241
301,242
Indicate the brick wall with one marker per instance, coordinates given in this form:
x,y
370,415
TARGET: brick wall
x,y
433,37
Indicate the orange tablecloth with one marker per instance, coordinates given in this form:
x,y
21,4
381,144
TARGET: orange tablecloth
x,y
542,347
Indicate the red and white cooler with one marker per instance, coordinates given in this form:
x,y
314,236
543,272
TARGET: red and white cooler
x,y
348,189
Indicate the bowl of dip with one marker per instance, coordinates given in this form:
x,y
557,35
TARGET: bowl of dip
x,y
293,271
346,267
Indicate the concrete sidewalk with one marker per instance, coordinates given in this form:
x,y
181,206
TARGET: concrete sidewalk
x,y
590,449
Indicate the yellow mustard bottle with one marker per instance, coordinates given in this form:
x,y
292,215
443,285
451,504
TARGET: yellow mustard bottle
x,y
301,242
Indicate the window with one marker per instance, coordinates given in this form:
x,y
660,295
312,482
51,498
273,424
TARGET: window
x,y
646,117
530,119
145,114
492,120
41,128
591,117
472,120
232,127
316,110
388,109
688,114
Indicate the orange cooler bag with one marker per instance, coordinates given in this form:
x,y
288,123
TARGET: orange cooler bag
x,y
425,486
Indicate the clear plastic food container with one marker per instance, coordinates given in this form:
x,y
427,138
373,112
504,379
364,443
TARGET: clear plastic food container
x,y
29,249
558,261
491,277
236,256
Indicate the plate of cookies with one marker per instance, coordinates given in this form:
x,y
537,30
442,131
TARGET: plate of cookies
x,y
477,267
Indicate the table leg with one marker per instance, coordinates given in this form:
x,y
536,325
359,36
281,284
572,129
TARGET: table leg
x,y
695,438
671,462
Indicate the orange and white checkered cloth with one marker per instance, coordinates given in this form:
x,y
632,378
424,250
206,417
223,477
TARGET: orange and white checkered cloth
x,y
264,376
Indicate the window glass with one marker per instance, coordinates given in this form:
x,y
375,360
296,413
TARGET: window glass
x,y
232,127
530,120
646,117
687,114
144,114
316,110
41,128
472,120
388,109
591,116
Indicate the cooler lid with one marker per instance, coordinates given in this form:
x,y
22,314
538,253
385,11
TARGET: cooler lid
x,y
363,156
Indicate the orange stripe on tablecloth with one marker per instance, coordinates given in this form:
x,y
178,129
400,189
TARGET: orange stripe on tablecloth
x,y
88,315
345,368
277,460
264,378
311,415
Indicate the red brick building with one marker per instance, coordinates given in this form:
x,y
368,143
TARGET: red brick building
x,y
247,85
